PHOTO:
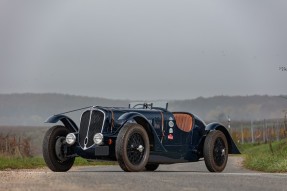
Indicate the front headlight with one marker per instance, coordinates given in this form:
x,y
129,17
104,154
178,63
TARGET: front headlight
x,y
70,138
98,138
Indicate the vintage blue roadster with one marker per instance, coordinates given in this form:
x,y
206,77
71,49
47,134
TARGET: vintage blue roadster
x,y
140,137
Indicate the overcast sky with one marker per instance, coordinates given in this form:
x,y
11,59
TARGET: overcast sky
x,y
144,49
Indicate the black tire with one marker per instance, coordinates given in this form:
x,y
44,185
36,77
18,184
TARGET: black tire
x,y
54,161
215,151
132,148
151,167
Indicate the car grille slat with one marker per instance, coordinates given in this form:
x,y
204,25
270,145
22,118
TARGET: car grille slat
x,y
89,126
96,123
84,126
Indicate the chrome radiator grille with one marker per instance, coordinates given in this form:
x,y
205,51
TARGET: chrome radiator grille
x,y
91,123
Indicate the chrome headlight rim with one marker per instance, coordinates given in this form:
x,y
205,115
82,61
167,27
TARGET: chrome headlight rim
x,y
71,138
98,138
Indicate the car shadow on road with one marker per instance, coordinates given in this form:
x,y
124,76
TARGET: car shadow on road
x,y
116,171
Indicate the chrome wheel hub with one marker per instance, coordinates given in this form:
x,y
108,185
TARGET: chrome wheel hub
x,y
140,148
223,152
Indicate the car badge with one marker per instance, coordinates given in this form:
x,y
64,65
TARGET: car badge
x,y
171,124
170,137
170,130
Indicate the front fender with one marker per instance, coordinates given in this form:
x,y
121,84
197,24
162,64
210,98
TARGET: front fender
x,y
68,122
142,120
216,126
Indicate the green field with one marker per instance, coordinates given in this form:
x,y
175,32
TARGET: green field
x,y
261,157
38,162
270,157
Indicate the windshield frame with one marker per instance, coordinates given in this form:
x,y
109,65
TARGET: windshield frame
x,y
148,105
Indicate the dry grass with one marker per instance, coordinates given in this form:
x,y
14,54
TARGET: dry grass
x,y
15,146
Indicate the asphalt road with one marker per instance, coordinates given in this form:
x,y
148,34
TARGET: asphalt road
x,y
188,176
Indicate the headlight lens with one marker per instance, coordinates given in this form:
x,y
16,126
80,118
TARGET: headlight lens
x,y
71,138
98,138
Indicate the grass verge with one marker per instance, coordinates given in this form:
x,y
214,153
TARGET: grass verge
x,y
270,157
38,162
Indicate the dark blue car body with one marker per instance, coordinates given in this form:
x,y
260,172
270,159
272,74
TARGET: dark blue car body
x,y
168,142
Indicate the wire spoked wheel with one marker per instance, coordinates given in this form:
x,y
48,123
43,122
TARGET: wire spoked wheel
x,y
132,148
215,151
219,151
135,148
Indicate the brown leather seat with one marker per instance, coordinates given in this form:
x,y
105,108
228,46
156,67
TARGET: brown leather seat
x,y
184,121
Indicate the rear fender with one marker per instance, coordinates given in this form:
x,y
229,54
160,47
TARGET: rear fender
x,y
232,149
143,121
69,123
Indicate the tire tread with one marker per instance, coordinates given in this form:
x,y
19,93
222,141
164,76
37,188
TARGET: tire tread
x,y
208,151
120,143
49,151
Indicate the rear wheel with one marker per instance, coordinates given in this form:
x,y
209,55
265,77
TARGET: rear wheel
x,y
132,148
215,151
55,149
151,167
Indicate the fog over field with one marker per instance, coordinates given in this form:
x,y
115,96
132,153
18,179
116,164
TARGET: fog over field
x,y
34,109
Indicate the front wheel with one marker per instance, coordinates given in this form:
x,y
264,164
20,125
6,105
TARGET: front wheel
x,y
215,151
132,148
55,150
